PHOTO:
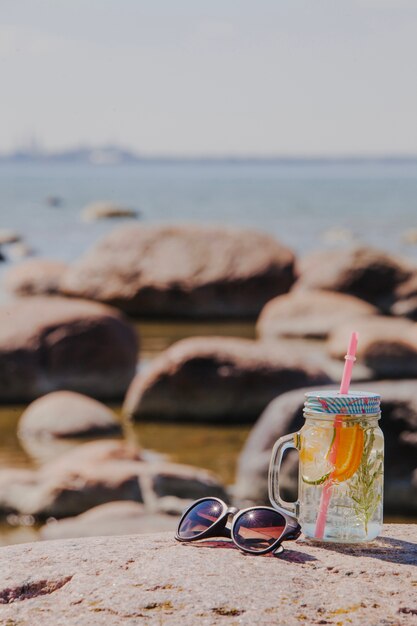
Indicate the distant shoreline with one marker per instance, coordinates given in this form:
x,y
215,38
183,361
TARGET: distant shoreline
x,y
110,155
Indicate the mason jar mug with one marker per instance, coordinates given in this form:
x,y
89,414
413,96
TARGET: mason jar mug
x,y
341,465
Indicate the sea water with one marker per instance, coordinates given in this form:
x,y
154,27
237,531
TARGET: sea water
x,y
307,205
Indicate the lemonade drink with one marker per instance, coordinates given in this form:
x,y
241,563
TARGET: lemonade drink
x,y
341,451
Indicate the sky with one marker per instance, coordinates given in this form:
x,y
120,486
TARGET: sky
x,y
214,77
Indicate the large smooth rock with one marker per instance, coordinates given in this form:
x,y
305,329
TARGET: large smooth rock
x,y
152,580
309,313
35,277
285,415
114,518
63,414
99,472
48,344
218,378
387,345
365,272
185,271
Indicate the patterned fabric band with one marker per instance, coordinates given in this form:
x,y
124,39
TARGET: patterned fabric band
x,y
353,403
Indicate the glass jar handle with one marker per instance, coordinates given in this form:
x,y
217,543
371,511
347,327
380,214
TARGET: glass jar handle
x,y
282,445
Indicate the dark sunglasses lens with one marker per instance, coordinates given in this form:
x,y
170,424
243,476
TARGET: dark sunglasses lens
x,y
258,529
199,518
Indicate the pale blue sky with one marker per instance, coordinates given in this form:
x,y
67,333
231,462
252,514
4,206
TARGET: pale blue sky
x,y
211,76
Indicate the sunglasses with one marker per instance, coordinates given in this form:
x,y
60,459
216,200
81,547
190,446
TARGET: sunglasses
x,y
258,530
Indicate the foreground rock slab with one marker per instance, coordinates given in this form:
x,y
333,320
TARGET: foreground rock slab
x,y
183,271
150,579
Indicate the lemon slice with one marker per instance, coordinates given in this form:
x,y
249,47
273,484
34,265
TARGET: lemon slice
x,y
315,444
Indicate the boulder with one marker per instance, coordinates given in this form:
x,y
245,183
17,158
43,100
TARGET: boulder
x,y
216,379
405,303
99,472
365,272
309,313
35,277
113,518
63,414
48,344
152,580
387,345
106,210
94,453
186,271
285,415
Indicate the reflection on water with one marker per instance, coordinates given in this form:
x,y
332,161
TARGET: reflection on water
x,y
157,336
213,447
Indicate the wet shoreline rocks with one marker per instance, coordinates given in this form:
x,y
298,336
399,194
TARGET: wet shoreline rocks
x,y
67,414
183,271
113,518
387,346
310,314
406,299
49,343
35,277
217,379
107,210
364,272
99,472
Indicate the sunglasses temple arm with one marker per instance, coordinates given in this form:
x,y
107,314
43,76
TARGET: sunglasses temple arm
x,y
292,533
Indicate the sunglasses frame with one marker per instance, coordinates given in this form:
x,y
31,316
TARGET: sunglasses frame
x,y
291,531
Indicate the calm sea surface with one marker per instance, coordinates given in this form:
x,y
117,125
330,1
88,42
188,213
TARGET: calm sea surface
x,y
299,203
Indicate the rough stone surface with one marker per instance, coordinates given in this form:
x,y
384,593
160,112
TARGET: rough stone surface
x,y
113,518
285,415
153,580
106,210
309,313
48,344
217,378
96,473
186,271
67,414
363,272
35,277
387,345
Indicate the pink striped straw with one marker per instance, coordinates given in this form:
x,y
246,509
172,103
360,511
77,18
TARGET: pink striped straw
x,y
350,358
